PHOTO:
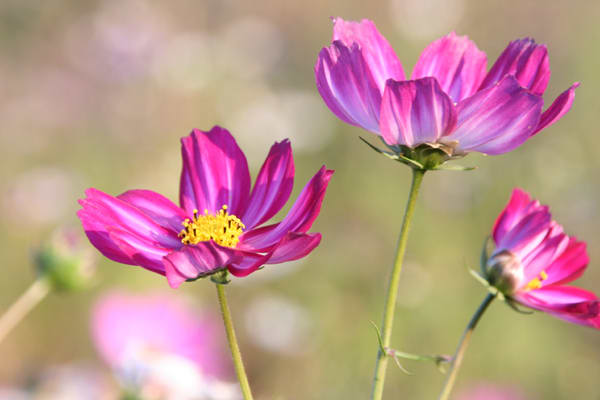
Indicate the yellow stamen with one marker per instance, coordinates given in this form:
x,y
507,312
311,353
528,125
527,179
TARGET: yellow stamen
x,y
536,283
222,228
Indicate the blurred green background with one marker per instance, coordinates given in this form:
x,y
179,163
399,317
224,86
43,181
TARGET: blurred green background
x,y
98,93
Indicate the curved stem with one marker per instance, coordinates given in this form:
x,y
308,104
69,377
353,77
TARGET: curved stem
x,y
462,347
24,304
233,345
392,294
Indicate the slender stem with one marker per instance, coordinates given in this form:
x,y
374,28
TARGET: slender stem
x,y
233,345
462,347
24,304
392,294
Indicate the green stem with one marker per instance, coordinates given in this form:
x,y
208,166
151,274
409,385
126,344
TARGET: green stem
x,y
24,304
462,347
233,345
392,294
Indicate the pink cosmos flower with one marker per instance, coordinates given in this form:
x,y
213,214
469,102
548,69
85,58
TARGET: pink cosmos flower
x,y
449,101
159,346
533,260
218,222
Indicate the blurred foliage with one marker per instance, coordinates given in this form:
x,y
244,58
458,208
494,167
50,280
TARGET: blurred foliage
x,y
98,93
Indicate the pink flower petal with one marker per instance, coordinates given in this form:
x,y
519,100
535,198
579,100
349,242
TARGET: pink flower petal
x,y
526,235
196,261
497,119
247,263
273,185
569,266
457,64
415,112
102,214
561,105
160,209
214,173
525,60
566,302
294,246
347,86
519,205
299,219
543,255
141,251
376,51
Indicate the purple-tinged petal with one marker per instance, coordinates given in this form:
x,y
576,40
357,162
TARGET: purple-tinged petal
x,y
566,302
247,263
415,112
156,206
215,173
569,266
294,246
561,105
347,86
498,119
299,219
525,236
101,212
141,251
196,261
376,50
519,205
273,185
542,256
457,64
525,60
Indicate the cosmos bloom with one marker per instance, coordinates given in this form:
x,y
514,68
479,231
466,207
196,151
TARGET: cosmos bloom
x,y
218,222
449,102
161,348
534,259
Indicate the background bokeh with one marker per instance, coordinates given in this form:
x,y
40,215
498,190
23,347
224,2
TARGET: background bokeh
x,y
98,93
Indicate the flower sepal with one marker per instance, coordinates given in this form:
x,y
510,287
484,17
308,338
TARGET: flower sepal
x,y
220,277
425,157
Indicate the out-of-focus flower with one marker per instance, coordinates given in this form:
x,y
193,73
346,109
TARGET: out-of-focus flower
x,y
72,382
485,391
160,349
534,258
450,103
217,226
64,261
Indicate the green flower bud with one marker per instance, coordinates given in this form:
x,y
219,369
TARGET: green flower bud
x,y
64,261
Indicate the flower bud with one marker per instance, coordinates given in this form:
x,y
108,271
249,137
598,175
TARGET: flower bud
x,y
64,261
504,272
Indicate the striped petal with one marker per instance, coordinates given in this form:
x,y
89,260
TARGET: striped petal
x,y
457,64
498,119
415,112
215,173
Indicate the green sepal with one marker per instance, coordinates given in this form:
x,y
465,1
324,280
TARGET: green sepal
x,y
220,277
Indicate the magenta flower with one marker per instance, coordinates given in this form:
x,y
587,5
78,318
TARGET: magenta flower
x,y
159,347
218,223
449,103
533,260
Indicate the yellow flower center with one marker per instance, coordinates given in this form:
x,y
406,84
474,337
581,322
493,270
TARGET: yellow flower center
x,y
223,228
536,282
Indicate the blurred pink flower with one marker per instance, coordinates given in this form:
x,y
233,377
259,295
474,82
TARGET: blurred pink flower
x,y
491,392
533,260
141,337
141,227
450,100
